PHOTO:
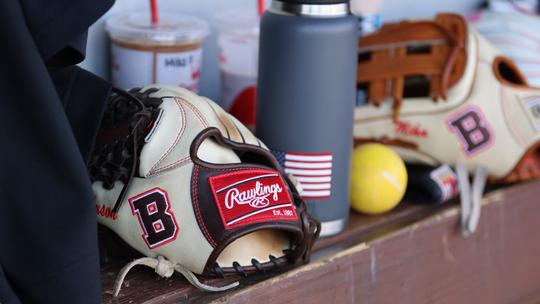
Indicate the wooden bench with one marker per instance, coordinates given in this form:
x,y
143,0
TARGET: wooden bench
x,y
414,254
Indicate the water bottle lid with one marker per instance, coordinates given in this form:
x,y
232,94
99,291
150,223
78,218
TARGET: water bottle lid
x,y
312,8
316,1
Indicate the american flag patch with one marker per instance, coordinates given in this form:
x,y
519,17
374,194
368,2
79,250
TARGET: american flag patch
x,y
312,170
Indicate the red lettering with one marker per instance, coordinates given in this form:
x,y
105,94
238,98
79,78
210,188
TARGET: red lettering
x,y
405,128
106,212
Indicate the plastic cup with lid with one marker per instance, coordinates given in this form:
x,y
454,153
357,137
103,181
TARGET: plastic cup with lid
x,y
166,53
238,42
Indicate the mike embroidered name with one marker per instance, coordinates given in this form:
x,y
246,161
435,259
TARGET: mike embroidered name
x,y
255,197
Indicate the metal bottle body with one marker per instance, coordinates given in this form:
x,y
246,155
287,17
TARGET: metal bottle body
x,y
306,96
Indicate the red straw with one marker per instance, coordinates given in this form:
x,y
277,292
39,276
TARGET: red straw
x,y
260,6
154,11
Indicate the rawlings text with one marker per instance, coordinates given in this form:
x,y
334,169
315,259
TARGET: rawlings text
x,y
251,196
256,197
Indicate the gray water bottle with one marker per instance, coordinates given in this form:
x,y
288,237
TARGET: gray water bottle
x,y
305,99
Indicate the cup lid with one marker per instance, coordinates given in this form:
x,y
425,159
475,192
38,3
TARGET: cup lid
x,y
241,22
171,28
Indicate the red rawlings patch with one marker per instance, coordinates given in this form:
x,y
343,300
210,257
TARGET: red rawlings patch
x,y
251,196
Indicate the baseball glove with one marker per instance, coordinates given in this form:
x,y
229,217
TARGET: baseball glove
x,y
440,93
191,188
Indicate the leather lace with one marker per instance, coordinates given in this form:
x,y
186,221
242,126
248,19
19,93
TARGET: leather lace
x,y
127,119
165,268
448,37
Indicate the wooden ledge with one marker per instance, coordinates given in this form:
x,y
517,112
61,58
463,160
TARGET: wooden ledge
x,y
415,254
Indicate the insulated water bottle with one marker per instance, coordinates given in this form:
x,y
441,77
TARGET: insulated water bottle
x,y
306,97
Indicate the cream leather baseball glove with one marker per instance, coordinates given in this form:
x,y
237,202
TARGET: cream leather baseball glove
x,y
438,92
191,188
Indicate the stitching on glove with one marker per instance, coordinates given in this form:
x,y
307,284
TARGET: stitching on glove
x,y
196,207
182,162
195,111
176,140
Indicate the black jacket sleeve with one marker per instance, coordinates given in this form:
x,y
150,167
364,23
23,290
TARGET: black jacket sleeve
x,y
48,121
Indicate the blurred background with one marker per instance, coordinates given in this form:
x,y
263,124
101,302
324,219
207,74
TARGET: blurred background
x,y
97,59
